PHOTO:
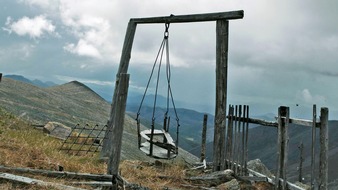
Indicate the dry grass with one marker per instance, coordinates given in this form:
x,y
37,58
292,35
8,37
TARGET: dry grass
x,y
23,146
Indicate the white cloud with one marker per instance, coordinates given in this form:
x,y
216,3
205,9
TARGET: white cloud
x,y
83,48
47,4
306,97
33,27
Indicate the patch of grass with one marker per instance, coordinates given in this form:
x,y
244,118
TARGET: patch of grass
x,y
23,146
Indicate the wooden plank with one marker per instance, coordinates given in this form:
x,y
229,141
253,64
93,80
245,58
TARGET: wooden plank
x,y
117,128
191,18
32,181
256,121
58,174
222,34
324,146
228,155
246,141
313,146
285,146
204,136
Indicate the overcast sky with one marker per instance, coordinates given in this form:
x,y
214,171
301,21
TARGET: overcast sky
x,y
280,53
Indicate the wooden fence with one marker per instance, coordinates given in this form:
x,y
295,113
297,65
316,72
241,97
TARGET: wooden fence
x,y
236,154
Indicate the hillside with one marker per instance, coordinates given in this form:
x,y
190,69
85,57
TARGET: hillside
x,y
70,104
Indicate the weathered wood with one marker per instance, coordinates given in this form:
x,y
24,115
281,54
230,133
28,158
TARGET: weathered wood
x,y
272,180
246,141
222,34
191,18
234,153
117,128
256,121
204,136
285,146
228,157
58,174
282,145
313,146
300,175
123,68
32,181
213,179
324,146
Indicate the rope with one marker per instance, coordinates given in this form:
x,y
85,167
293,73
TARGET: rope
x,y
159,57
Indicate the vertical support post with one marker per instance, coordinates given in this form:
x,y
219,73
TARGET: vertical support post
x,y
228,155
313,146
123,68
222,34
204,136
246,141
117,127
324,146
238,169
243,142
300,175
283,141
234,153
0,76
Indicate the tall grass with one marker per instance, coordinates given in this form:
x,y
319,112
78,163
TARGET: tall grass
x,y
23,146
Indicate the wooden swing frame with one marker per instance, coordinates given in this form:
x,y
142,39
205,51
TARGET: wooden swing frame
x,y
116,121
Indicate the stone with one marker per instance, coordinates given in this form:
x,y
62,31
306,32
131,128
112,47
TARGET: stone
x,y
231,185
259,167
57,130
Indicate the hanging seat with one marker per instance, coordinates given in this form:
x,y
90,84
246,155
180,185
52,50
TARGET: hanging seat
x,y
163,144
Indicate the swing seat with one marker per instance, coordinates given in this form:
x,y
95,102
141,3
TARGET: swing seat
x,y
163,144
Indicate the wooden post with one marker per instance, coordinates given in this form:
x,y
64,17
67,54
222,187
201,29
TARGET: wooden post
x,y
204,136
283,141
239,141
243,142
324,146
246,141
222,34
0,76
117,126
228,155
313,146
300,176
234,140
123,68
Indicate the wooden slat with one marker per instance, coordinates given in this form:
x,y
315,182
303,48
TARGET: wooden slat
x,y
324,146
58,174
32,181
191,18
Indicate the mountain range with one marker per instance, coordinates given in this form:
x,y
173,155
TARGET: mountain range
x,y
74,102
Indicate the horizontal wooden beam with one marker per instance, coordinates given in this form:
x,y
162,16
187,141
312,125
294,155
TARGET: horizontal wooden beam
x,y
302,122
191,18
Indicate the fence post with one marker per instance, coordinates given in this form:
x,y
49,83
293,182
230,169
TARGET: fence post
x,y
300,176
204,136
222,34
324,146
117,127
246,141
313,146
283,141
228,155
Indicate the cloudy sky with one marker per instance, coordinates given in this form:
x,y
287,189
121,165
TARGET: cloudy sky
x,y
280,53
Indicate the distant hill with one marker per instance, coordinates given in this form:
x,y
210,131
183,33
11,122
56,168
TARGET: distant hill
x,y
34,82
70,103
